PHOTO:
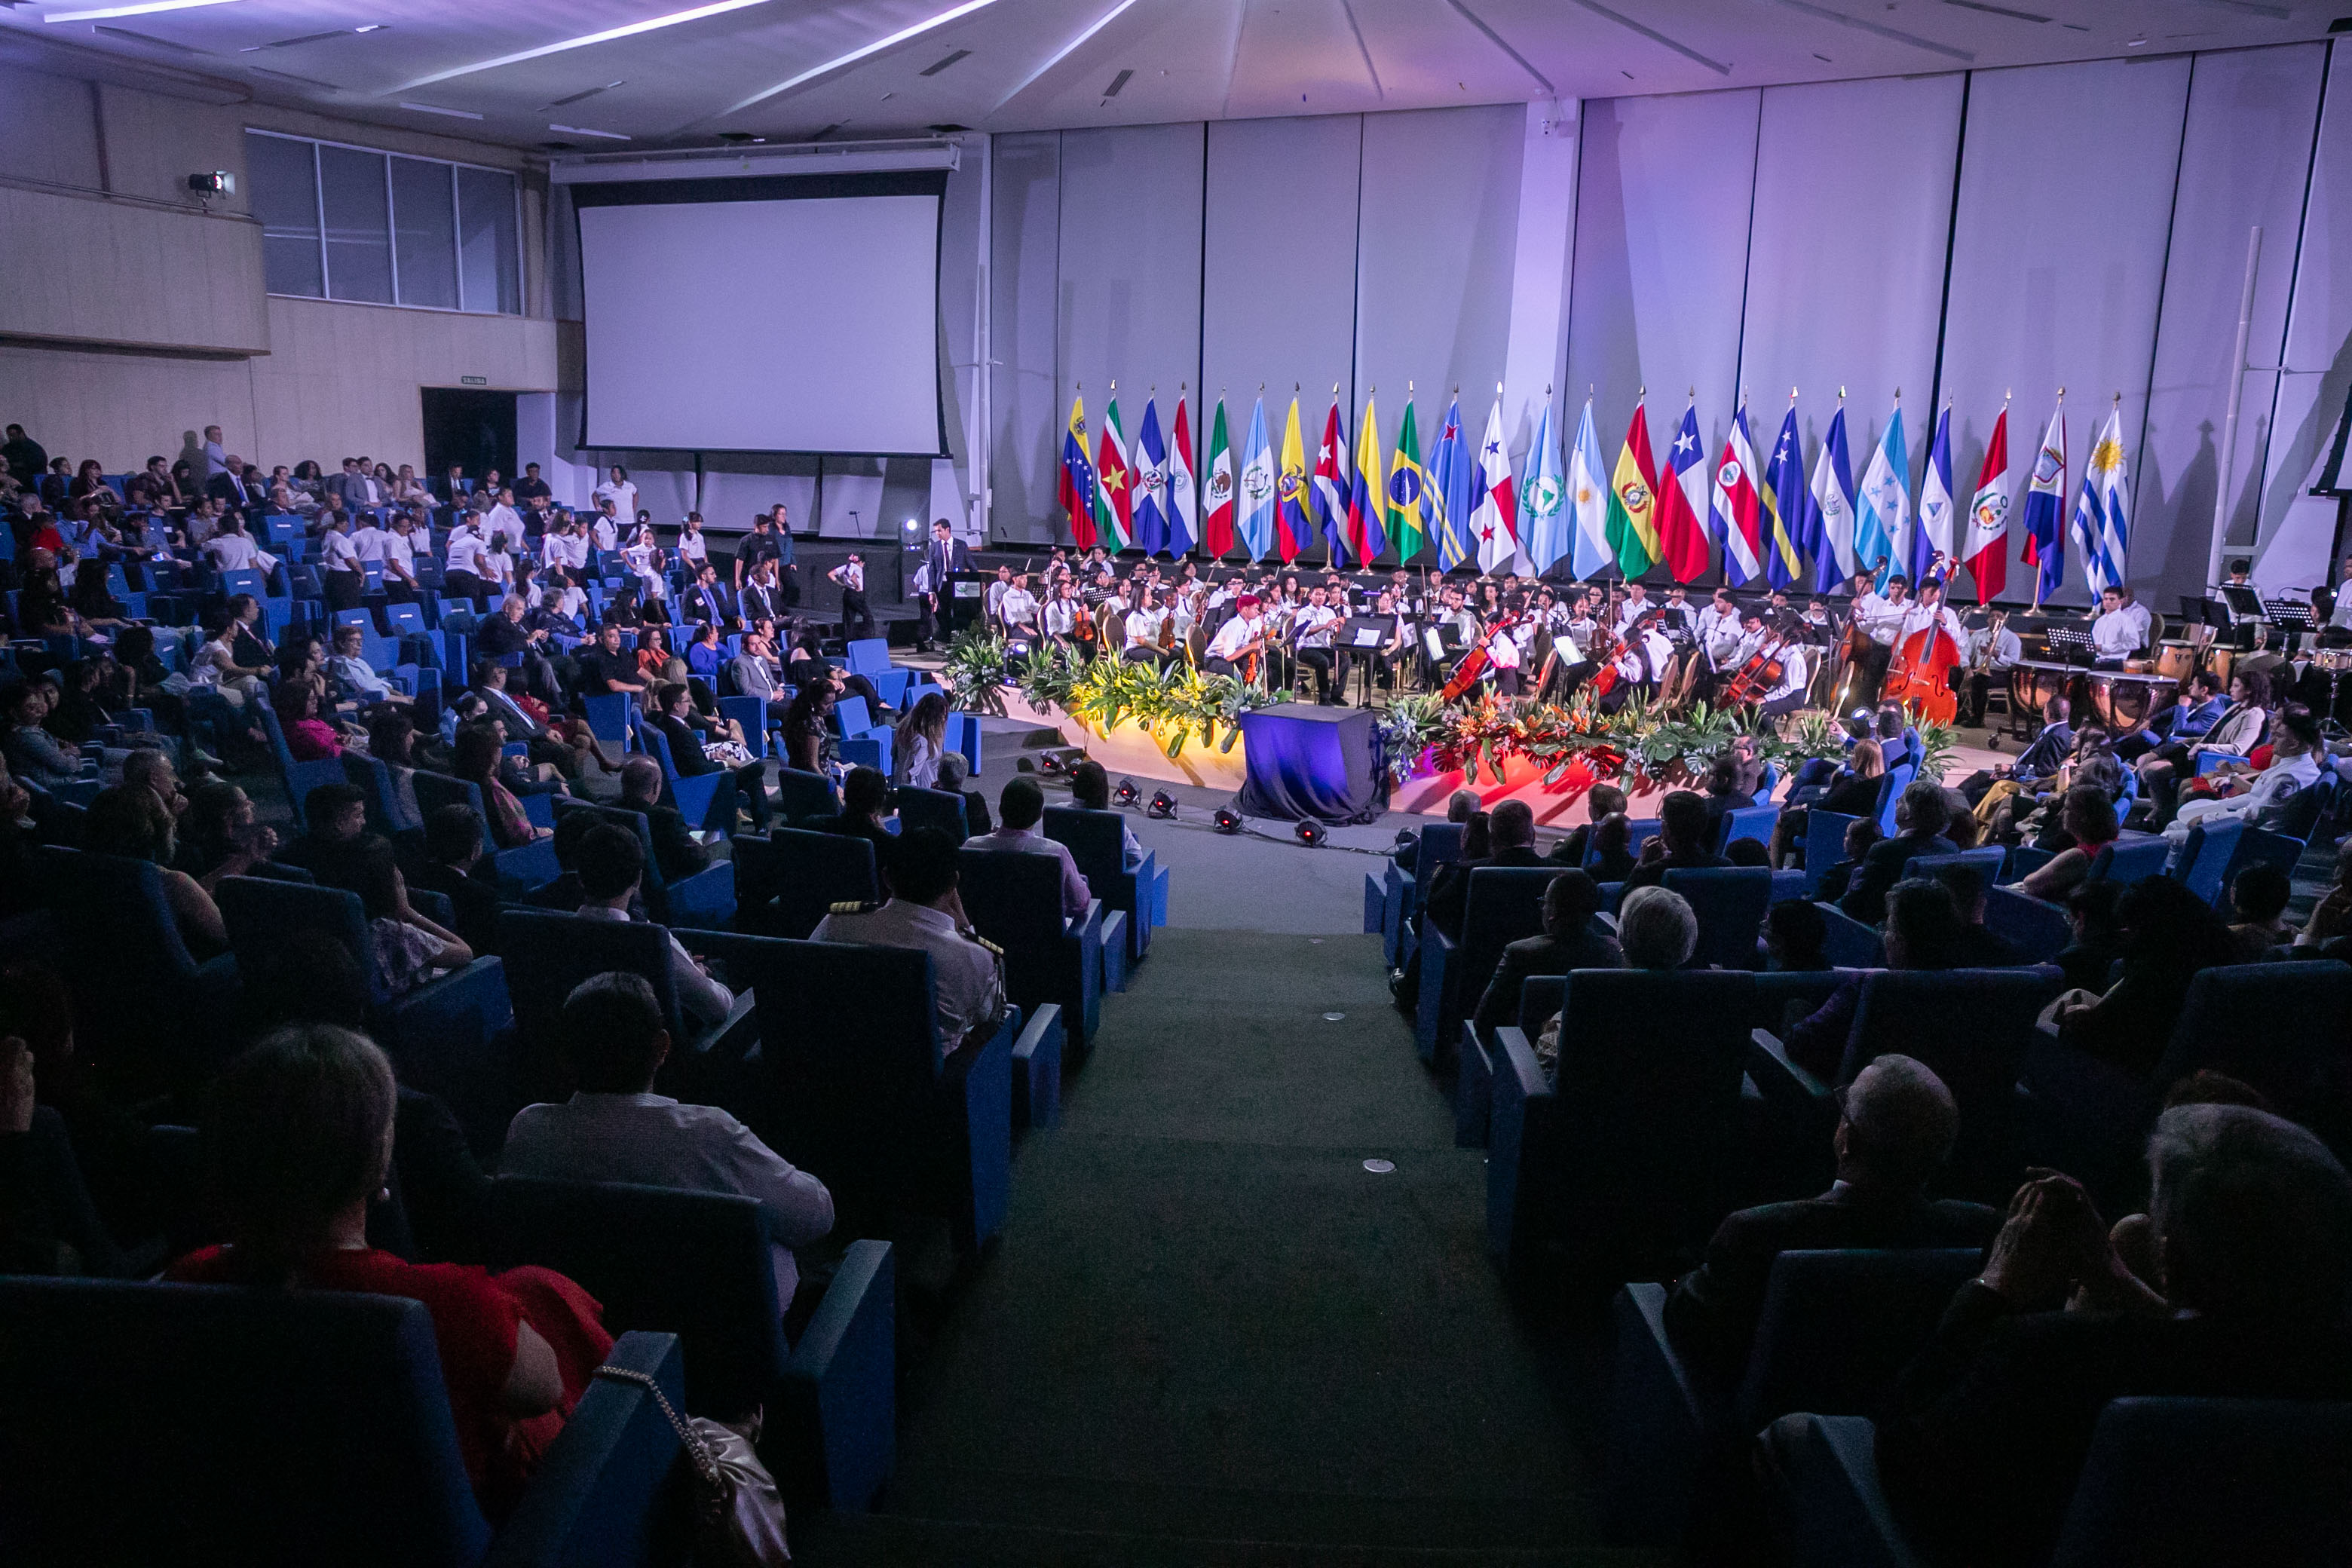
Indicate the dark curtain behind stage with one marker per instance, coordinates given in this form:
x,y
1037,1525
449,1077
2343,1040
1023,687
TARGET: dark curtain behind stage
x,y
1323,764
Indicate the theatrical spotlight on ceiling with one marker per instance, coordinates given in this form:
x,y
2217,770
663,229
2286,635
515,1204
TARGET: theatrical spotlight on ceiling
x,y
1127,794
1163,805
1227,820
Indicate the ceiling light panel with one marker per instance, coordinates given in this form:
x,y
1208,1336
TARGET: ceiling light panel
x,y
144,9
866,51
585,40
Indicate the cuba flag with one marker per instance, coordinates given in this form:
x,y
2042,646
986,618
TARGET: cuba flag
x,y
1882,518
1148,521
1077,487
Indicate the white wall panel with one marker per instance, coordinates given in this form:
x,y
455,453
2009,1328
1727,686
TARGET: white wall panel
x,y
1130,307
1025,198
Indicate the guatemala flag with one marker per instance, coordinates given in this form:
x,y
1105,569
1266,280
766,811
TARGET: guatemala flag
x,y
1933,537
1882,518
1545,523
1148,529
1257,488
2101,528
2045,499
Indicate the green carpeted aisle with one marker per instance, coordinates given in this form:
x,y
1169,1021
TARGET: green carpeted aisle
x,y
1208,1334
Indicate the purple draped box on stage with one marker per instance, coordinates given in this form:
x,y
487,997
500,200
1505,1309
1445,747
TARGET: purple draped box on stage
x,y
1308,761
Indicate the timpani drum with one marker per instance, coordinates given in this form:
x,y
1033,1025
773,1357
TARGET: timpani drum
x,y
2176,659
2031,686
2119,697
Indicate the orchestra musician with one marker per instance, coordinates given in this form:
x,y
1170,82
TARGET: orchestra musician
x,y
1142,626
1988,655
1065,614
1310,639
2116,635
1798,655
1239,647
1016,608
1880,618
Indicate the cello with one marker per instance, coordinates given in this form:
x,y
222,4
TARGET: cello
x,y
1605,680
1473,663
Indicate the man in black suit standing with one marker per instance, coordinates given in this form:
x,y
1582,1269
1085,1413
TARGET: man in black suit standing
x,y
1923,813
1569,942
946,557
1511,835
1898,1125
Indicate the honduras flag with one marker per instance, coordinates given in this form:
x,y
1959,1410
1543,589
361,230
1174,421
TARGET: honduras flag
x,y
1257,488
1149,532
1882,518
2101,528
1588,502
1834,506
1449,492
1933,537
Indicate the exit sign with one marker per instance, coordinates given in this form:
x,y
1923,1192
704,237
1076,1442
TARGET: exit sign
x,y
473,381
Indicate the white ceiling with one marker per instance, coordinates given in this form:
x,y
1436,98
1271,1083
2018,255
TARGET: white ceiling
x,y
1044,64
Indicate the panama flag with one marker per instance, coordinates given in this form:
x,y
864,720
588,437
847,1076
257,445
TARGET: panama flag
x,y
1217,527
1834,506
1448,492
1681,501
1408,492
2101,528
1364,535
1294,497
1735,509
1588,502
1545,524
1496,518
2045,502
1933,538
1076,491
1149,533
1633,500
1987,550
1257,488
1882,516
1332,482
1183,516
1113,498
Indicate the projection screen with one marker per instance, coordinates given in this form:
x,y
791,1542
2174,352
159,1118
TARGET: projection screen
x,y
794,313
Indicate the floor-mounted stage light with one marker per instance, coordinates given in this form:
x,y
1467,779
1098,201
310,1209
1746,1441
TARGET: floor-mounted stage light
x,y
1127,794
1025,766
1227,820
1311,834
1050,763
1163,805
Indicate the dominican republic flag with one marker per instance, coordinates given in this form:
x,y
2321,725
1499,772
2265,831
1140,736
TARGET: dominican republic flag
x,y
1834,505
1075,490
1682,501
1365,537
1151,515
1495,520
1257,488
1217,525
1333,483
1987,550
1448,492
1933,537
2102,526
2045,504
1882,521
1588,503
1787,508
1184,517
1113,499
1735,509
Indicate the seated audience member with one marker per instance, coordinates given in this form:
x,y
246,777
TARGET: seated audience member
x,y
298,1136
391,740
615,1128
34,754
475,754
1978,948
409,949
2262,799
1658,930
48,1222
109,1143
335,815
2259,895
691,756
1601,801
219,837
1090,790
2094,943
2252,1218
1750,852
2331,916
809,741
455,867
1569,943
129,821
1862,834
677,852
1511,841
1019,809
926,910
1685,841
353,674
1459,808
1796,936
2169,935
1922,815
953,777
1723,791
1921,931
921,739
612,864
2088,816
1613,854
1897,1127
309,738
865,810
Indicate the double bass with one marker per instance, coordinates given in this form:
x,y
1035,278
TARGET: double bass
x,y
1919,676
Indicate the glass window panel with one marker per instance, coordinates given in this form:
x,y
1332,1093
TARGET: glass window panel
x,y
358,234
284,185
489,250
425,233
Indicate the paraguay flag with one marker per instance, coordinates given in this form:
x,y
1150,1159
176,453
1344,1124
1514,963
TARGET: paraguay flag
x,y
1448,492
1075,490
1365,537
1787,506
1683,500
1735,509
1987,545
1332,483
1150,481
2045,501
1834,505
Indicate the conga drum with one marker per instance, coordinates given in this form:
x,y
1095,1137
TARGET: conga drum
x,y
2220,662
2176,659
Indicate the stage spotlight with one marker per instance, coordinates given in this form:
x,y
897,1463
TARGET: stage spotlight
x,y
1227,820
1127,794
1163,805
1050,763
1311,834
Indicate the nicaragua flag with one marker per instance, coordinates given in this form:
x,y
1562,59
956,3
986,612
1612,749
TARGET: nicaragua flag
x,y
2101,529
1365,537
1496,519
1257,488
1332,483
1735,509
2045,500
1987,545
1182,526
1786,510
1683,500
1933,537
1075,490
1546,525
1148,520
1833,563
1448,492
1883,509
1588,503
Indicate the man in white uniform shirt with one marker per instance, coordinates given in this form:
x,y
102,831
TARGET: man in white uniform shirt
x,y
1241,637
1310,632
1637,605
2115,635
1985,656
1018,608
2136,610
925,911
2342,614
615,1128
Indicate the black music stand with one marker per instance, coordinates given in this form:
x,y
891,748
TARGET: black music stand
x,y
1363,636
2293,617
2065,642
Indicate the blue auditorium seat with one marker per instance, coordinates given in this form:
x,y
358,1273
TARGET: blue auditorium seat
x,y
698,1265
704,900
803,797
1755,822
863,743
137,992
1439,844
785,882
1503,905
1096,841
520,869
149,1423
2036,928
1730,902
548,953
299,779
936,808
699,799
1825,844
1015,901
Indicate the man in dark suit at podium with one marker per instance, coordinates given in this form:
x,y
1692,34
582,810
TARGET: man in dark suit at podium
x,y
946,557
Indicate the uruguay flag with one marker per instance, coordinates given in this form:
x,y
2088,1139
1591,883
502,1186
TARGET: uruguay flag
x,y
1735,509
1449,492
1149,521
1257,488
2102,530
1933,537
2045,501
1787,515
1882,520
1834,505
1588,503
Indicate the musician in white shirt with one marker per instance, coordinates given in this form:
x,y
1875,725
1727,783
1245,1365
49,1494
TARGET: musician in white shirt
x,y
1018,608
1718,629
2136,610
2116,635
1637,605
1880,616
1928,609
1987,656
1239,638
2342,614
1310,633
1141,628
